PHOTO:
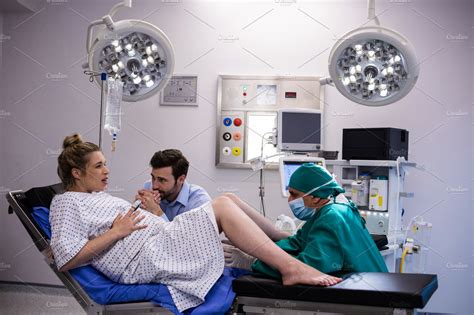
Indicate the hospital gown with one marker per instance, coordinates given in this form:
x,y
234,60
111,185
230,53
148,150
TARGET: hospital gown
x,y
334,240
185,254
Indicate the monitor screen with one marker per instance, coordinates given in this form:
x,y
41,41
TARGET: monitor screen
x,y
287,168
300,130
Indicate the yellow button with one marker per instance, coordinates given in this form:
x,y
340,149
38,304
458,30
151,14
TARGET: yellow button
x,y
236,151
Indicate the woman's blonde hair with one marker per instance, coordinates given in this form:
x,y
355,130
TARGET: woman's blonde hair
x,y
74,155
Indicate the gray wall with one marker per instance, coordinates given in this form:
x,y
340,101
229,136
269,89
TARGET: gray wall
x,y
274,37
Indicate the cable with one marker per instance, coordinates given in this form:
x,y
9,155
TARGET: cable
x,y
402,261
398,221
262,193
262,177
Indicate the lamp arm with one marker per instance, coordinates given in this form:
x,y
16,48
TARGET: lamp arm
x,y
107,19
371,12
273,155
115,8
326,80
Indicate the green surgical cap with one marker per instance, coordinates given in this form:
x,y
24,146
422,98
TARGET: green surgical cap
x,y
309,176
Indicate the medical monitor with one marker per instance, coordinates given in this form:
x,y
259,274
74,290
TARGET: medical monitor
x,y
300,130
289,164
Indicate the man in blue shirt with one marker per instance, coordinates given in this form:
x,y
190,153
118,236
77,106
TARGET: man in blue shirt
x,y
168,185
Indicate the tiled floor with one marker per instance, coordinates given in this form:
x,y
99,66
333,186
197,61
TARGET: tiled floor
x,y
20,299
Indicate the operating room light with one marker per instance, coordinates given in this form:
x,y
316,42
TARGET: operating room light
x,y
373,65
134,52
130,50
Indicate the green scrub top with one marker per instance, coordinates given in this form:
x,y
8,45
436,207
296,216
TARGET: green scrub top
x,y
334,240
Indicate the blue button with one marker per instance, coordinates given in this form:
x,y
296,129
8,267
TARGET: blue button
x,y
227,121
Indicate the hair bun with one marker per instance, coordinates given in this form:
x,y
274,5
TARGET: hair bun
x,y
72,140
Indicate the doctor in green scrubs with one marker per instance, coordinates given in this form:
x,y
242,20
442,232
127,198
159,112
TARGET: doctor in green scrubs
x,y
334,238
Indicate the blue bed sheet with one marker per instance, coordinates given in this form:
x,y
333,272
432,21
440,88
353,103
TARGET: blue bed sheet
x,y
104,291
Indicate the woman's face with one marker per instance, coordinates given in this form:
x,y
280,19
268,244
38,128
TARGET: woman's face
x,y
95,175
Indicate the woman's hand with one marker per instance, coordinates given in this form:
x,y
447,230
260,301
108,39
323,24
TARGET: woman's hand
x,y
124,225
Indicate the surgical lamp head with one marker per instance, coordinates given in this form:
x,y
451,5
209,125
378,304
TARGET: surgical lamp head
x,y
373,66
136,52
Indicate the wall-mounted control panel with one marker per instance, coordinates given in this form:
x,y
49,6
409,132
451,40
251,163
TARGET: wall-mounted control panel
x,y
246,112
231,136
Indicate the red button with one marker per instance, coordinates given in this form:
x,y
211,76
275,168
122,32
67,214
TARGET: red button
x,y
237,122
245,93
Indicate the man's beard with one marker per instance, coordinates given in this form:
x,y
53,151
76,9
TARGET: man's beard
x,y
166,194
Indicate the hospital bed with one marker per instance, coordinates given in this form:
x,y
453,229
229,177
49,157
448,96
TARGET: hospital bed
x,y
359,293
22,204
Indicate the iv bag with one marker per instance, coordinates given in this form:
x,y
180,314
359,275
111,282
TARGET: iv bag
x,y
113,107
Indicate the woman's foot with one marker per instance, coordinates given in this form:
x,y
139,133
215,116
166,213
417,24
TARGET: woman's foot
x,y
299,273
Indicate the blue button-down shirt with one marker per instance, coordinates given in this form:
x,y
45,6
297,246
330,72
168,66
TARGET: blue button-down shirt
x,y
191,196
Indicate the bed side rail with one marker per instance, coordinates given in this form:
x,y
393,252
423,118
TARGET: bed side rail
x,y
16,200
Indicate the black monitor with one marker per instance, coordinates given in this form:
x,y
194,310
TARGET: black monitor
x,y
300,130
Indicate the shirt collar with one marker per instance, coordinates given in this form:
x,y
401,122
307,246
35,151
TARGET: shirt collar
x,y
183,195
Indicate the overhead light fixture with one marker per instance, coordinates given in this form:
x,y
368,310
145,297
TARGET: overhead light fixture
x,y
136,52
373,65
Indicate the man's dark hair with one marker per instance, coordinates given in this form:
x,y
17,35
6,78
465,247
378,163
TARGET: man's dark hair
x,y
173,158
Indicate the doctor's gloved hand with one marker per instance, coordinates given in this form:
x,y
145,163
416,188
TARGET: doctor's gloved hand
x,y
236,258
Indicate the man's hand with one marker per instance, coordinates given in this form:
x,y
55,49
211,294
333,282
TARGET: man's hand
x,y
150,201
236,258
124,225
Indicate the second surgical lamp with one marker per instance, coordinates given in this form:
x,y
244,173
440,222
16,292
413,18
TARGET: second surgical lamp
x,y
373,65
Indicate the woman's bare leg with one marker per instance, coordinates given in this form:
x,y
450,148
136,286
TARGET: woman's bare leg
x,y
246,235
265,224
